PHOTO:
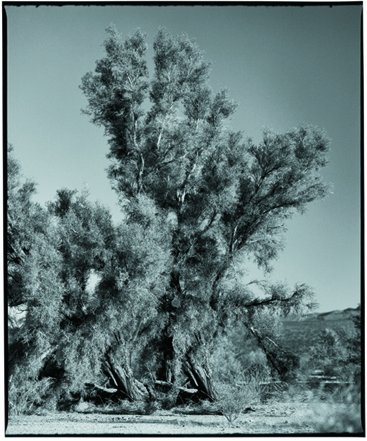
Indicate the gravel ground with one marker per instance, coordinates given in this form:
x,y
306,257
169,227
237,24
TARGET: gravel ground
x,y
281,418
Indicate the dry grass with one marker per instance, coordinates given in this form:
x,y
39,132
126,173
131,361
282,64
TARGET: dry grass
x,y
234,400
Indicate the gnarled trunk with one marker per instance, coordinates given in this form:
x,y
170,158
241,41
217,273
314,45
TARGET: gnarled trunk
x,y
201,379
122,379
199,383
117,368
165,371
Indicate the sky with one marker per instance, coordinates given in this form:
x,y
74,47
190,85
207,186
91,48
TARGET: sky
x,y
284,65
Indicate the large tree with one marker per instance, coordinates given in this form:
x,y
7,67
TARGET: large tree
x,y
34,288
225,197
102,326
25,220
72,330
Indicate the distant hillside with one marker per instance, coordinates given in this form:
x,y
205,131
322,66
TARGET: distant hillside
x,y
344,314
300,334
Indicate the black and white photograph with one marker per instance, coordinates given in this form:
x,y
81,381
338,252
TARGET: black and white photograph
x,y
183,219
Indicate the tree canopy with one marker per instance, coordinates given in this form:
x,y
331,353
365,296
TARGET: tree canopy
x,y
225,197
199,200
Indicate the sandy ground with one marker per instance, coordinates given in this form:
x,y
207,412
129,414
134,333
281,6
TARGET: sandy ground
x,y
282,418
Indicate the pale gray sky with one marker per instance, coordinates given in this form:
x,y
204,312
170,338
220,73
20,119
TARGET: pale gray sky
x,y
284,65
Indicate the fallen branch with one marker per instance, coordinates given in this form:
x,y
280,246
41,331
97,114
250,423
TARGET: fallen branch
x,y
105,389
169,384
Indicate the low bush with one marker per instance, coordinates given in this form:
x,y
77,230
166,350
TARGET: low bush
x,y
336,410
151,406
235,399
344,420
26,396
340,412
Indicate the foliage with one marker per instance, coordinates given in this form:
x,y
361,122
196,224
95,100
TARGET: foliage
x,y
225,366
235,399
353,340
337,352
224,198
112,319
70,326
198,201
34,288
26,220
237,355
255,342
341,412
26,394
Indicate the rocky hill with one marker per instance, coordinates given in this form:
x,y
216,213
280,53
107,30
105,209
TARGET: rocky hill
x,y
301,333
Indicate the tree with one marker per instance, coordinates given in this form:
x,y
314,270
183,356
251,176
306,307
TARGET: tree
x,y
85,233
131,290
102,326
354,346
34,288
337,351
225,197
32,258
25,219
74,332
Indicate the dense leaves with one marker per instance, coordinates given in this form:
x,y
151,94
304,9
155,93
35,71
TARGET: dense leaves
x,y
225,197
90,291
26,221
158,291
337,352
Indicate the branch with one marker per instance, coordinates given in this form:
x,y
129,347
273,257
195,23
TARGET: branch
x,y
159,137
140,172
271,341
206,228
136,333
105,389
270,301
233,241
258,338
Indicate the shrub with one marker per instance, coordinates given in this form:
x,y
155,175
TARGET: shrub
x,y
150,406
340,412
224,364
235,399
27,395
337,352
342,421
167,401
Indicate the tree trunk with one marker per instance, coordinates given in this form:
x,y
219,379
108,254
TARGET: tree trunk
x,y
165,371
200,378
122,379
199,383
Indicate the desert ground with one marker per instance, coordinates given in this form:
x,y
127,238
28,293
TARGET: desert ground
x,y
276,418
